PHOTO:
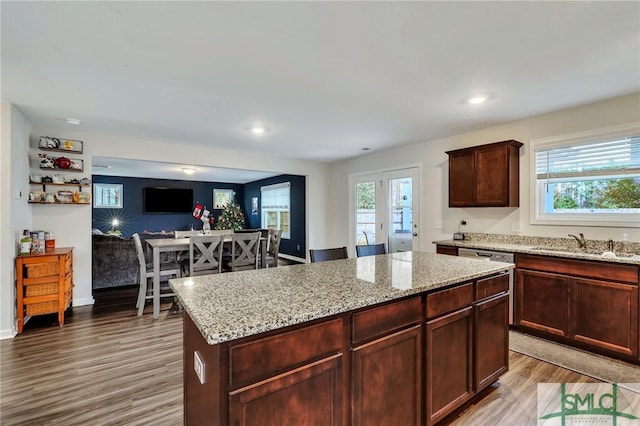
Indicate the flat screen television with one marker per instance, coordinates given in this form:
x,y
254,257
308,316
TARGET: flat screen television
x,y
168,200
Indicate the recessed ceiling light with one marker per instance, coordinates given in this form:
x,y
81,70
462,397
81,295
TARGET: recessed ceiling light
x,y
73,121
258,130
188,170
366,148
477,99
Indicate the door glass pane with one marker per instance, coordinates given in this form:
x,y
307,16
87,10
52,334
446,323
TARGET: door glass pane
x,y
401,204
365,213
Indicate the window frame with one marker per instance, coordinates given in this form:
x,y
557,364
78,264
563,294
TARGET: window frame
x,y
279,211
537,215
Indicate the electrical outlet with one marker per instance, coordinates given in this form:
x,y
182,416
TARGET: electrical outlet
x,y
298,247
198,366
438,224
463,225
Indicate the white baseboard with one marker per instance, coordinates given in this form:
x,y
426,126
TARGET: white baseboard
x,y
8,334
84,302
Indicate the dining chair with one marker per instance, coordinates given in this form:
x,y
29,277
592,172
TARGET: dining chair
x,y
244,251
145,291
322,255
370,249
205,254
273,247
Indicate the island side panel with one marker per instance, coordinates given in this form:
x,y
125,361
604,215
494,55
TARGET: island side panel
x,y
204,403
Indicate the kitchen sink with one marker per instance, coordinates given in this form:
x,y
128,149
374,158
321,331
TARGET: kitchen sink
x,y
579,251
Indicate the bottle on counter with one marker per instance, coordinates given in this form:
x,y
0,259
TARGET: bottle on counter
x,y
624,244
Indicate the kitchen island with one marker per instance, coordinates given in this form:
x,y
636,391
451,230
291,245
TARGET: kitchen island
x,y
397,339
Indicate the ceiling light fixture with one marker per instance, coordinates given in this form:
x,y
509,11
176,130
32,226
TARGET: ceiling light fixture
x,y
188,170
477,99
101,166
73,121
258,130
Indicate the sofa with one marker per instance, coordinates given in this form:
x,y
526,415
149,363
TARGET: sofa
x,y
114,261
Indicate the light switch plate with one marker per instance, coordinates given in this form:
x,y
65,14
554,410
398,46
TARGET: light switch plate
x,y
198,366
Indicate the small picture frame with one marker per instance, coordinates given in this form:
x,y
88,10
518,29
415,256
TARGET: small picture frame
x,y
222,197
107,195
254,206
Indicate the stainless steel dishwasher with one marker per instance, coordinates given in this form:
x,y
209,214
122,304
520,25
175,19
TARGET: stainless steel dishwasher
x,y
494,256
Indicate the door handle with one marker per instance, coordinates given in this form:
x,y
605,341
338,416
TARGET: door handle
x,y
415,234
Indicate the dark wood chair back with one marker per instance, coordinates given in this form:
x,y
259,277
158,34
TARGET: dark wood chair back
x,y
322,255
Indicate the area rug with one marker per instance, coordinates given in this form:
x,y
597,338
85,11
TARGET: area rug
x,y
588,364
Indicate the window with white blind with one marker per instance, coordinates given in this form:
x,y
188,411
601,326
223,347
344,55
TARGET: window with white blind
x,y
588,179
275,207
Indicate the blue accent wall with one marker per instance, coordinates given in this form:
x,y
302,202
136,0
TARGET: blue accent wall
x,y
132,216
296,245
133,219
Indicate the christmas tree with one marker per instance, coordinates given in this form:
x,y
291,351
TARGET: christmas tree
x,y
231,217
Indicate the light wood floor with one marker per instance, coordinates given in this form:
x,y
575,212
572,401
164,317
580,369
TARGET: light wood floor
x,y
107,366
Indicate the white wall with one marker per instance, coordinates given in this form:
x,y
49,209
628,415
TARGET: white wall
x,y
434,193
71,225
15,213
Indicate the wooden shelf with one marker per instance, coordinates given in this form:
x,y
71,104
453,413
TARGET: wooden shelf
x,y
73,151
57,202
60,184
62,170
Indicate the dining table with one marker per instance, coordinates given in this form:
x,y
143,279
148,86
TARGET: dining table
x,y
163,245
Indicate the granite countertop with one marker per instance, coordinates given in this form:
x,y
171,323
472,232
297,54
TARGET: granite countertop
x,y
232,305
557,247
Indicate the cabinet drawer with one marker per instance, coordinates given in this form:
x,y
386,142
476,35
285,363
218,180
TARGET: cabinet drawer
x,y
451,251
284,351
581,268
385,319
41,289
449,300
489,286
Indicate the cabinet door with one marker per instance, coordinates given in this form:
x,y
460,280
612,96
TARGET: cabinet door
x,y
449,349
309,395
462,179
386,388
491,341
452,251
605,315
492,176
543,301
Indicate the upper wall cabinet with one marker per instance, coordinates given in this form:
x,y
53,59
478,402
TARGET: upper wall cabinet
x,y
485,175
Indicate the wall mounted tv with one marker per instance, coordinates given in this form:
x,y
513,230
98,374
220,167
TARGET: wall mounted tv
x,y
168,200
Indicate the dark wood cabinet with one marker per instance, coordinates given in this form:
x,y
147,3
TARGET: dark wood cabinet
x,y
485,175
381,396
452,251
309,395
605,314
449,355
491,340
589,304
405,362
542,301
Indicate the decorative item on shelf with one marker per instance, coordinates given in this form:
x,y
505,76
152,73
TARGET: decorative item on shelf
x,y
84,198
35,179
61,163
85,181
231,217
47,142
64,197
58,178
60,144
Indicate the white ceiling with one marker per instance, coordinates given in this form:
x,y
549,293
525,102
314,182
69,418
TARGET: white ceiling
x,y
326,78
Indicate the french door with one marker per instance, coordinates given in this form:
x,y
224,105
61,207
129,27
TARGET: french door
x,y
386,209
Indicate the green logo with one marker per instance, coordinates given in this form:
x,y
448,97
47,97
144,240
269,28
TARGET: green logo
x,y
565,404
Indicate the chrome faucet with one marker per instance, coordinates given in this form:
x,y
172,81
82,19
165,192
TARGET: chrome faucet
x,y
582,243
